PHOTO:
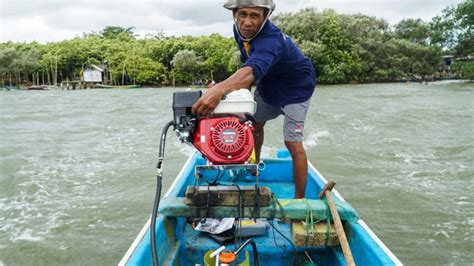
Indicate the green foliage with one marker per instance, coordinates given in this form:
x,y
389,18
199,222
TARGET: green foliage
x,y
453,29
149,72
359,48
464,70
322,38
7,59
185,65
414,30
8,56
117,32
343,48
185,60
469,71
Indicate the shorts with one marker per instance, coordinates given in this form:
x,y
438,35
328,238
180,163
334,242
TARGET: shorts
x,y
295,115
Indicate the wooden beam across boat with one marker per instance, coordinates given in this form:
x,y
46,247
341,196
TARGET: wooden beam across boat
x,y
296,209
227,196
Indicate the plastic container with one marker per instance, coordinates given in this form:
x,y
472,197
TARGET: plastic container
x,y
251,228
239,101
208,261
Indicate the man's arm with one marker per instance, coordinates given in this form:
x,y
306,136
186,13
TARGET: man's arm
x,y
242,78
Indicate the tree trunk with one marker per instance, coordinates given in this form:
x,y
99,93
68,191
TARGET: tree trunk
x,y
56,73
123,75
53,75
105,76
111,78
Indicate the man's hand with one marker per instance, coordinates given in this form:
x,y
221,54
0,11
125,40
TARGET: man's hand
x,y
208,101
242,78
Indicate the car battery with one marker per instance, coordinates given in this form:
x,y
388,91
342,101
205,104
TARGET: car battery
x,y
249,227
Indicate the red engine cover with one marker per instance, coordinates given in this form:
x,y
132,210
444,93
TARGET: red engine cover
x,y
224,140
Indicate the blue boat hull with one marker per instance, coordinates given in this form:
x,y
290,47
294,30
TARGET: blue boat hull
x,y
179,244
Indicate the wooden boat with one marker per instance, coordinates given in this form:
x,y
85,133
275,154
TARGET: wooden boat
x,y
118,87
38,88
179,244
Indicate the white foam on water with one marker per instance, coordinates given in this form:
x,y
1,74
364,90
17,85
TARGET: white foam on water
x,y
8,117
312,139
392,140
442,232
450,81
268,151
360,125
338,116
184,149
404,156
470,222
27,235
69,165
46,189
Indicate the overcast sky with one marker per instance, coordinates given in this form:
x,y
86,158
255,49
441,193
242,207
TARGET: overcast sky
x,y
56,20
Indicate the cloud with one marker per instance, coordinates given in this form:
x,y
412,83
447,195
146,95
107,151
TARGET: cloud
x,y
49,20
34,28
391,10
55,20
203,13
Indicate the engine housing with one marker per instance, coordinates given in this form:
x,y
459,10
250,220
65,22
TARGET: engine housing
x,y
224,140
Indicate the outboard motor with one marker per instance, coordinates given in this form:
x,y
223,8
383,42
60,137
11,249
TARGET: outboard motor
x,y
226,136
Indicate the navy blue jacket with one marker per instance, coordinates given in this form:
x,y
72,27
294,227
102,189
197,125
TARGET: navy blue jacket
x,y
283,74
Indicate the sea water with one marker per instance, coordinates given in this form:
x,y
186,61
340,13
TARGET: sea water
x,y
78,167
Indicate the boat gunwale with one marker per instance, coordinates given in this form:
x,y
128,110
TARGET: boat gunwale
x,y
146,227
193,157
361,222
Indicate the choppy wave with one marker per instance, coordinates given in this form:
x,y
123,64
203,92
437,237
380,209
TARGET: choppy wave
x,y
313,138
77,168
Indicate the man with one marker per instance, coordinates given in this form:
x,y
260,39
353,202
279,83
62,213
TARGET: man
x,y
285,80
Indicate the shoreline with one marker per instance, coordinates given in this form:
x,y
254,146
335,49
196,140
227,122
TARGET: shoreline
x,y
53,88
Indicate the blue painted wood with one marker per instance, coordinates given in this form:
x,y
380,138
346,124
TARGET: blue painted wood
x,y
179,244
288,208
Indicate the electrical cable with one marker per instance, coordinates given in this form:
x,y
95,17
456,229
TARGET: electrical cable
x,y
255,251
156,204
219,175
282,235
240,215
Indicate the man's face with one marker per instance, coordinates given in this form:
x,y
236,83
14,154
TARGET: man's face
x,y
249,20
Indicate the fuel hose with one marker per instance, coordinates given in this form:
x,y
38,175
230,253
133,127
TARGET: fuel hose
x,y
156,204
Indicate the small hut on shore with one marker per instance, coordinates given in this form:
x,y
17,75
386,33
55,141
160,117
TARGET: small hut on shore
x,y
95,74
447,61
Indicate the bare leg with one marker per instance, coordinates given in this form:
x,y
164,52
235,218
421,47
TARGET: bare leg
x,y
300,167
258,135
